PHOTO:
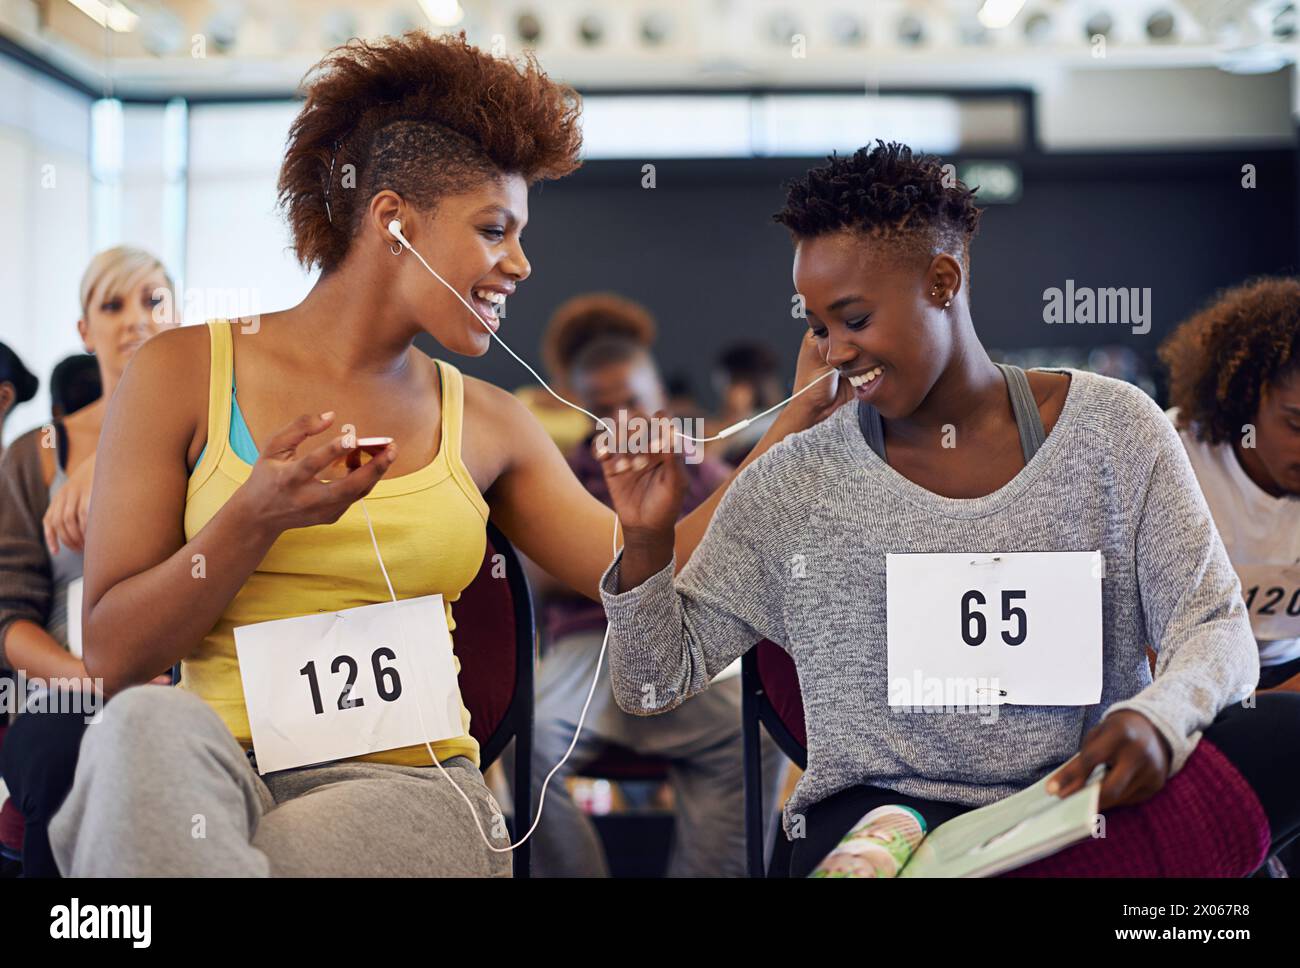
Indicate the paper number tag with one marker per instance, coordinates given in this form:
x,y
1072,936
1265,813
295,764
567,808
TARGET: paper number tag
x,y
326,687
74,616
975,630
1272,595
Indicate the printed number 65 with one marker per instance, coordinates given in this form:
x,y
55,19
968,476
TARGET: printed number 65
x,y
974,627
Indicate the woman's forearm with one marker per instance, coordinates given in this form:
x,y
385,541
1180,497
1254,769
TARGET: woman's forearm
x,y
148,622
644,556
35,653
691,528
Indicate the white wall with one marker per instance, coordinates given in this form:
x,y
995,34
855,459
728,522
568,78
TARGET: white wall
x,y
44,224
237,243
1099,109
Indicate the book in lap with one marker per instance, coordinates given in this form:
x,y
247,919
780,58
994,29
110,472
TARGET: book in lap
x,y
891,841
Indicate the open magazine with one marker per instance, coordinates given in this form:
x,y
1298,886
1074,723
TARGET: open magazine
x,y
892,840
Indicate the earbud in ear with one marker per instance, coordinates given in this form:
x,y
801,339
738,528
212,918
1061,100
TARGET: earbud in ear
x,y
395,228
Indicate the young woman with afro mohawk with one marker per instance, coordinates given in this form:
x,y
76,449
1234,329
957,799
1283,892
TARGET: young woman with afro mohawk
x,y
946,455
236,434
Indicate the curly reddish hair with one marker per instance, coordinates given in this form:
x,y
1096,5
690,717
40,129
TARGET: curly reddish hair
x,y
582,319
421,115
1222,358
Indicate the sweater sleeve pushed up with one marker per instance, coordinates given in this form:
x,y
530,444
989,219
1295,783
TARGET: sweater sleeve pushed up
x,y
668,638
1191,600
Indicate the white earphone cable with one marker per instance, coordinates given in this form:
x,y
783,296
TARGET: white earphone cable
x,y
395,228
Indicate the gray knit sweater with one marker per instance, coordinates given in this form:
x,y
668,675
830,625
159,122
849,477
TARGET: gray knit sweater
x,y
1112,475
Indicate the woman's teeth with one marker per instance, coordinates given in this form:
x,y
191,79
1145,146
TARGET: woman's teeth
x,y
863,379
497,300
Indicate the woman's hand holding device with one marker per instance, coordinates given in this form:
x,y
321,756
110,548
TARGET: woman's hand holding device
x,y
285,489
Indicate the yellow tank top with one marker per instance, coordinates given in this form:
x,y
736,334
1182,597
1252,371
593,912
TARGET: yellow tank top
x,y
431,528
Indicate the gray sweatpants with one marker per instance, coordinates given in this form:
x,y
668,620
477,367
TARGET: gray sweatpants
x,y
701,739
163,789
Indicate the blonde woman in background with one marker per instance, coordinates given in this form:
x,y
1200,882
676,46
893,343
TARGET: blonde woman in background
x,y
44,495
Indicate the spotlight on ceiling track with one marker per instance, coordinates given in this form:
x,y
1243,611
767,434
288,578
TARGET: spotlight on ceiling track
x,y
1038,28
655,29
1100,24
1160,26
529,27
223,30
846,30
162,32
911,31
1284,23
591,29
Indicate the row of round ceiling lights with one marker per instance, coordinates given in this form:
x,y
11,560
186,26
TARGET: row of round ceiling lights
x,y
164,33
848,30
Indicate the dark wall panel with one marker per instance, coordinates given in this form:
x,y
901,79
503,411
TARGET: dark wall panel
x,y
700,250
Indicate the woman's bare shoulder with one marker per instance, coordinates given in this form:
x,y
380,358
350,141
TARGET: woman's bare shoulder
x,y
168,378
486,403
500,431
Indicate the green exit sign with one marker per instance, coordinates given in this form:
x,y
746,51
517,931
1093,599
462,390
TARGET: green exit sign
x,y
997,182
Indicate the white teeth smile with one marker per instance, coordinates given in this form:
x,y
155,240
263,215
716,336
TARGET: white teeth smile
x,y
865,378
496,299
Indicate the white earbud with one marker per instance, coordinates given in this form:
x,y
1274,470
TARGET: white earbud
x,y
395,228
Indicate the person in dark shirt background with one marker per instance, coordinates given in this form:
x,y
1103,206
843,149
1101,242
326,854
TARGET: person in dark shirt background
x,y
74,384
702,743
17,385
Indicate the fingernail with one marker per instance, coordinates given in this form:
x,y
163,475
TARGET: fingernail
x,y
327,416
620,465
390,452
1053,786
638,462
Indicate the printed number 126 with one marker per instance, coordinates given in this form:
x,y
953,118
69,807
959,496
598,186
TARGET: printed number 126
x,y
387,682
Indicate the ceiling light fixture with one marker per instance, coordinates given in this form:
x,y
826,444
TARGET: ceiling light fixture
x,y
996,14
443,13
115,15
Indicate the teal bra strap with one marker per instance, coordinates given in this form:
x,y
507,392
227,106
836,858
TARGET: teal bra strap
x,y
241,441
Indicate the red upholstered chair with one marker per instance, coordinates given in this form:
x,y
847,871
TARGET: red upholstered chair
x,y
1205,821
770,697
495,640
616,762
11,821
11,831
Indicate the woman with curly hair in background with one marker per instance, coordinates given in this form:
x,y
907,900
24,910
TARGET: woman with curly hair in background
x,y
1234,382
946,453
252,512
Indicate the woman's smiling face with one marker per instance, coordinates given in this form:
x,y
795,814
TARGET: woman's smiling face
x,y
878,315
472,240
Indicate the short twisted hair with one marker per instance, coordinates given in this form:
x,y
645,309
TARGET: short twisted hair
x,y
885,191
